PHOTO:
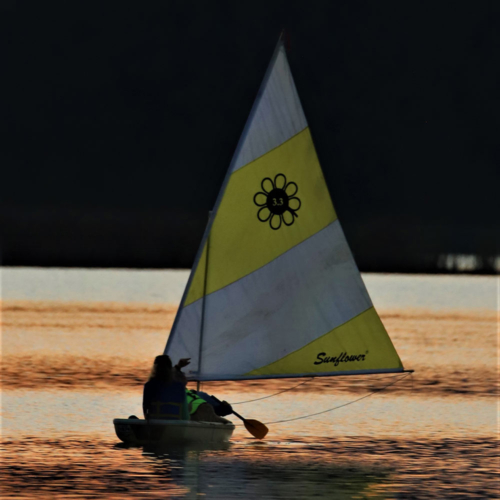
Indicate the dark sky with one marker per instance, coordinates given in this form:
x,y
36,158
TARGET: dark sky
x,y
119,119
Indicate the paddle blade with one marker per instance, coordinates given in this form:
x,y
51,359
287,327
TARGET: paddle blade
x,y
255,428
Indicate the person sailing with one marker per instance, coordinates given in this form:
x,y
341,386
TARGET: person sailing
x,y
205,408
164,394
167,398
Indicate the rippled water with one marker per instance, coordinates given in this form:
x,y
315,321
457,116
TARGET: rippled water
x,y
77,347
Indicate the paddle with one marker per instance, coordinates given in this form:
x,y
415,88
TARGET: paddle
x,y
254,427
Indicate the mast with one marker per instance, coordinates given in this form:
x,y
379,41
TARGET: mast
x,y
202,323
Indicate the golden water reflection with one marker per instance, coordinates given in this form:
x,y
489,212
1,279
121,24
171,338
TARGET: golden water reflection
x,y
69,368
48,344
320,468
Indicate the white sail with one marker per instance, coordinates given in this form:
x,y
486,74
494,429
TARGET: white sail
x,y
281,295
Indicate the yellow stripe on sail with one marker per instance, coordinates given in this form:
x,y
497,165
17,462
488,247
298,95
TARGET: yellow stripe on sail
x,y
240,243
361,343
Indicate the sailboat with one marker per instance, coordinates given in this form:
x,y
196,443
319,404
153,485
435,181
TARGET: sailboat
x,y
274,291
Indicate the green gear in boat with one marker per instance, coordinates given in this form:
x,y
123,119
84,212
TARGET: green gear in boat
x,y
194,401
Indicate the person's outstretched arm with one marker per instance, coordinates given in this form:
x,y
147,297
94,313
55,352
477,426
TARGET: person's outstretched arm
x,y
178,374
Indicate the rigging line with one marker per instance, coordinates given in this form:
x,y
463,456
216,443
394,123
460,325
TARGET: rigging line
x,y
336,407
295,387
340,406
275,394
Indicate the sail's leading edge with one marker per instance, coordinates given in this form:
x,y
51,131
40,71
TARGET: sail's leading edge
x,y
282,295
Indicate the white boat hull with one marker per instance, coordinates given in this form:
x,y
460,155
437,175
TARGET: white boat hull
x,y
171,432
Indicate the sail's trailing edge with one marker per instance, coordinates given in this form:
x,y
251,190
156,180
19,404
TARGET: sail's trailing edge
x,y
282,294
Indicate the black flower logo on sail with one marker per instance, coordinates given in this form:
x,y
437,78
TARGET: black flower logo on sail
x,y
277,201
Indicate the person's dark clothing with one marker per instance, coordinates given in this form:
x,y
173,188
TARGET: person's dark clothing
x,y
165,401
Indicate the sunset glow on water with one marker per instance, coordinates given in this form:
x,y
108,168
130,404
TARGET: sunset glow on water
x,y
71,363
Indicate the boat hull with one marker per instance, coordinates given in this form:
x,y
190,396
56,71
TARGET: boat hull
x,y
171,432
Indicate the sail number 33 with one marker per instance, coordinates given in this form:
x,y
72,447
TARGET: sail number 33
x,y
277,202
